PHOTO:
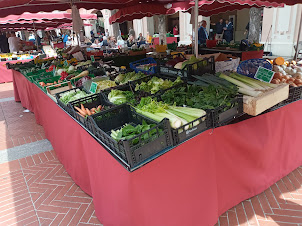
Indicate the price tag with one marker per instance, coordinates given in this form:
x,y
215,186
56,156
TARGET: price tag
x,y
43,66
92,58
93,87
264,74
66,63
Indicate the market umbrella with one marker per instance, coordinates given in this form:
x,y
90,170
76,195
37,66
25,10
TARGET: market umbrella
x,y
69,26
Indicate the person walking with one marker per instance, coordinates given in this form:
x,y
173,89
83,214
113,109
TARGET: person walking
x,y
202,33
228,31
175,30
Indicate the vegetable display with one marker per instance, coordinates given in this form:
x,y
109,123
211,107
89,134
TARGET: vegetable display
x,y
57,83
84,112
156,84
178,116
129,131
287,72
195,96
130,76
104,84
120,97
248,86
71,96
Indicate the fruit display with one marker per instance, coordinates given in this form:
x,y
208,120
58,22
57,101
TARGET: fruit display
x,y
287,72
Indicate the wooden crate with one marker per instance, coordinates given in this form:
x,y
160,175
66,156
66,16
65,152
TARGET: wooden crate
x,y
256,105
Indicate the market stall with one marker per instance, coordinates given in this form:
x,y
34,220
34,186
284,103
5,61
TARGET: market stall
x,y
192,181
191,184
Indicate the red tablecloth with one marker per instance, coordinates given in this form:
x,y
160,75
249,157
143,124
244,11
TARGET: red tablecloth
x,y
5,74
190,185
169,40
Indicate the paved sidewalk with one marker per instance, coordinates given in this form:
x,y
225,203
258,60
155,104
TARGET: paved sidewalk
x,y
35,189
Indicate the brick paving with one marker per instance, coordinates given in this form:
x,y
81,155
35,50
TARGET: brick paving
x,y
37,190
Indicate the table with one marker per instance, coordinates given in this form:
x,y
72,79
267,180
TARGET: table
x,y
192,184
244,55
5,74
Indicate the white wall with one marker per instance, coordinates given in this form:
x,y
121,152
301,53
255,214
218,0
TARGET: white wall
x,y
280,28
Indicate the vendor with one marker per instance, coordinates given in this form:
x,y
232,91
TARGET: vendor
x,y
130,41
112,42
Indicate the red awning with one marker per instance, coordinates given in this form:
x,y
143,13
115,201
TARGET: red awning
x,y
16,7
47,16
206,8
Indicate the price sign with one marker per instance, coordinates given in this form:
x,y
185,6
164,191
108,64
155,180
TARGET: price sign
x,y
92,58
264,75
93,87
66,63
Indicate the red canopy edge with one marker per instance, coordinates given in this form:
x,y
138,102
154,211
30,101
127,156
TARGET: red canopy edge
x,y
47,16
206,8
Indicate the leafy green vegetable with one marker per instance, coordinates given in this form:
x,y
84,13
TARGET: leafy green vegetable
x,y
178,116
121,97
130,76
156,84
194,96
129,131
71,96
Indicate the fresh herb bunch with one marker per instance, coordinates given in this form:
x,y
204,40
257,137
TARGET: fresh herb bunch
x,y
129,131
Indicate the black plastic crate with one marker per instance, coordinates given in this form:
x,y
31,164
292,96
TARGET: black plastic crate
x,y
206,65
192,129
89,102
146,79
61,104
223,115
295,93
102,123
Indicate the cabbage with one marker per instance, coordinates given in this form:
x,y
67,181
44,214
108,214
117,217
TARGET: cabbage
x,y
120,97
71,96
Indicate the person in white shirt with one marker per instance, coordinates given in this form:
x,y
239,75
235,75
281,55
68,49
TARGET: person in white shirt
x,y
14,43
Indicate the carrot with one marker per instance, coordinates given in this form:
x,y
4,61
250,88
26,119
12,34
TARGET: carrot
x,y
88,112
82,107
80,111
92,112
92,109
99,108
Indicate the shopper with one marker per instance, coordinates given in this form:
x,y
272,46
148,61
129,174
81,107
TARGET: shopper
x,y
202,33
14,43
247,29
65,38
107,33
131,32
112,42
228,31
219,29
141,40
149,38
4,47
130,41
175,30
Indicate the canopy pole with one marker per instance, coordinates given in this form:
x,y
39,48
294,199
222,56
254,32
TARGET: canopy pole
x,y
35,35
196,28
298,40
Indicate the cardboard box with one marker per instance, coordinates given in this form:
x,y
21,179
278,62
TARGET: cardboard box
x,y
223,62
